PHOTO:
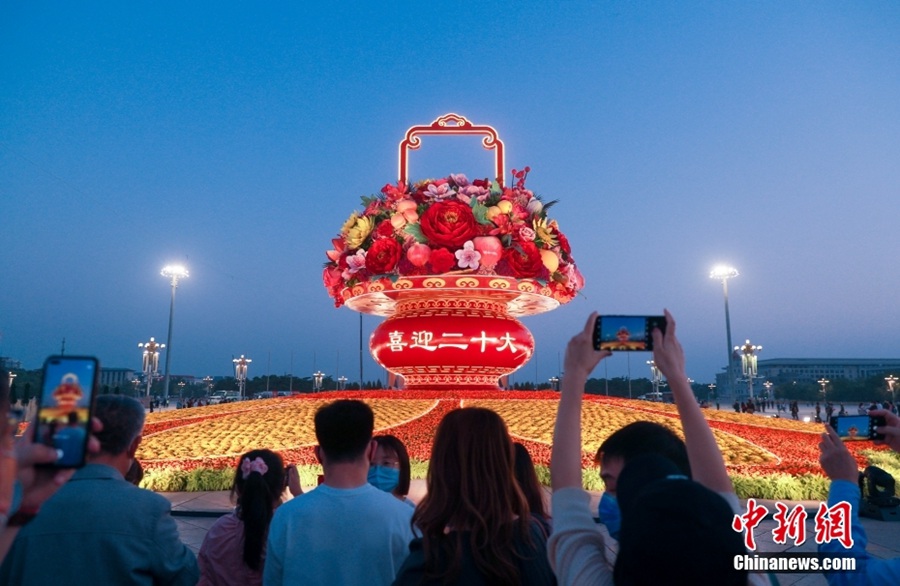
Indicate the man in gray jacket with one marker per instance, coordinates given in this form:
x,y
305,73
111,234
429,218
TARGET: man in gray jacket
x,y
100,529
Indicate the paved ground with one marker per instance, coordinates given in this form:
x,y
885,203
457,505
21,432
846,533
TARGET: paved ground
x,y
195,512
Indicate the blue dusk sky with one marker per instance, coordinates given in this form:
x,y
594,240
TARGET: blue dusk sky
x,y
236,138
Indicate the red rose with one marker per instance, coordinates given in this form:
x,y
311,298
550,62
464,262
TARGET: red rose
x,y
449,223
524,260
441,260
331,277
384,229
382,256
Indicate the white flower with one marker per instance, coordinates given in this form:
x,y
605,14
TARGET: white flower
x,y
468,257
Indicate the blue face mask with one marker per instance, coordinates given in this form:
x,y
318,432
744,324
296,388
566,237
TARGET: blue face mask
x,y
384,478
608,511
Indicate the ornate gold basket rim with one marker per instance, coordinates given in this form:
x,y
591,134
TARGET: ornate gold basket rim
x,y
522,296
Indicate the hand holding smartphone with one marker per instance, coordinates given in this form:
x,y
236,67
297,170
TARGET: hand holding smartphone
x,y
66,407
857,427
629,333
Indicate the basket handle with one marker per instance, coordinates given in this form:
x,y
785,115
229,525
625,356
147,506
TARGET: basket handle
x,y
451,124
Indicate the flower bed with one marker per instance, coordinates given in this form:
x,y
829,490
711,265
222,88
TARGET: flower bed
x,y
767,458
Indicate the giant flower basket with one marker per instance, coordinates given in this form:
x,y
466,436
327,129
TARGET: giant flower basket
x,y
452,263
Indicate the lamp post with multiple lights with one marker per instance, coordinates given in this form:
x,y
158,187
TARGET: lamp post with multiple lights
x,y
712,391
656,377
724,273
768,384
208,381
824,382
317,380
151,360
173,272
748,363
240,372
342,382
554,383
891,380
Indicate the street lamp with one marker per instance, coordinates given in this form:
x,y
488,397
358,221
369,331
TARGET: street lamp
x,y
173,272
768,384
181,386
151,360
240,372
724,273
554,383
824,382
656,378
208,381
317,380
12,377
342,382
891,380
748,363
136,382
712,390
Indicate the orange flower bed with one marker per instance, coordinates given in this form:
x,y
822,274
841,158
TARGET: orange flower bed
x,y
214,436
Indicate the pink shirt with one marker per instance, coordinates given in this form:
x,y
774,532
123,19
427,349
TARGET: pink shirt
x,y
221,556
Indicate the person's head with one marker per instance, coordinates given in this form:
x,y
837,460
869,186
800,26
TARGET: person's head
x,y
635,439
123,419
656,498
472,488
259,480
344,431
528,480
389,469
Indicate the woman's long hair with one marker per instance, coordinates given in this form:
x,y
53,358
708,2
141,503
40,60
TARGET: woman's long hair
x,y
257,494
472,488
528,482
393,444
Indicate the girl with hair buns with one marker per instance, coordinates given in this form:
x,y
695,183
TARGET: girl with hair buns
x,y
475,523
233,551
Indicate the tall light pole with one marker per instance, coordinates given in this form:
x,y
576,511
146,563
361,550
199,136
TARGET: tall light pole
x,y
12,377
317,380
656,377
724,272
208,381
748,363
891,380
554,383
151,360
240,372
768,385
342,382
712,389
824,382
173,272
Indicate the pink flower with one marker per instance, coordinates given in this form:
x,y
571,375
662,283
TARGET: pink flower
x,y
574,279
439,192
526,234
406,214
459,179
355,262
468,192
467,256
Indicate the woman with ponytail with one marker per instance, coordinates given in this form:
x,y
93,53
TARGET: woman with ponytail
x,y
233,551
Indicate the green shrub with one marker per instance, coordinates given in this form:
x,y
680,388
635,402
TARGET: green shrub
x,y
165,480
203,479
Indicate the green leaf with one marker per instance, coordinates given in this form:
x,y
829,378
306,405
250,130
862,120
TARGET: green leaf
x,y
415,231
480,212
495,188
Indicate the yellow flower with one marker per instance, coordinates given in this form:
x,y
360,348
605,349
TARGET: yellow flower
x,y
544,232
356,229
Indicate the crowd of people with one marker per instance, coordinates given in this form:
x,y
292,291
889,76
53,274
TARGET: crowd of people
x,y
665,516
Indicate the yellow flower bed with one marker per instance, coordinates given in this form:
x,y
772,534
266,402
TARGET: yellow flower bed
x,y
534,420
284,425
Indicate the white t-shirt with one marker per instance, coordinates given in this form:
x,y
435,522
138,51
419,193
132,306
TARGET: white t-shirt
x,y
356,536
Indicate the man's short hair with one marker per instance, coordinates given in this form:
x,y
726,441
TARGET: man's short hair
x,y
344,429
645,437
123,420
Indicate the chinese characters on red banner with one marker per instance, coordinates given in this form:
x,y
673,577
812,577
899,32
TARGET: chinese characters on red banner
x,y
831,523
423,339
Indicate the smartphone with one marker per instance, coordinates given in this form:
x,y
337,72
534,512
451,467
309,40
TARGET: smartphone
x,y
857,427
66,406
627,332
